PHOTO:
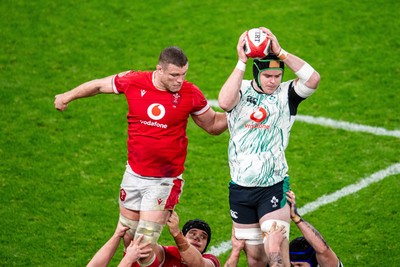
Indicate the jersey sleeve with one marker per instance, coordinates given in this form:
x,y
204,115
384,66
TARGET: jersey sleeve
x,y
200,103
294,99
121,81
213,259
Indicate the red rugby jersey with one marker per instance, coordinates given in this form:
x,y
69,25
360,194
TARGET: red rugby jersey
x,y
157,120
173,258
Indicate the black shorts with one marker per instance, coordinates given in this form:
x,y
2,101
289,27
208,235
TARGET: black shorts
x,y
249,204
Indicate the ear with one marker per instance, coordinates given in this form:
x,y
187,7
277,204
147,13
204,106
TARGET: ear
x,y
159,68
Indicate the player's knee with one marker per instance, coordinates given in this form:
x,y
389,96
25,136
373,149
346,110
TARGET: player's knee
x,y
253,236
151,231
133,225
266,226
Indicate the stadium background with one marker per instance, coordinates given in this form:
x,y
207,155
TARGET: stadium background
x,y
60,172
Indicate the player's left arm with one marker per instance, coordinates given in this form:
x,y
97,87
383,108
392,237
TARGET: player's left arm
x,y
306,74
211,121
107,251
190,255
326,257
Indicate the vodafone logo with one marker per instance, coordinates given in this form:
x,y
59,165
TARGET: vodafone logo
x,y
156,111
259,115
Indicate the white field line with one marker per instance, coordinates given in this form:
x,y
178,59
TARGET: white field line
x,y
353,127
327,199
350,189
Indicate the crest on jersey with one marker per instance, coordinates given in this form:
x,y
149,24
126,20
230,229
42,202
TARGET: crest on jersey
x,y
122,194
156,111
176,98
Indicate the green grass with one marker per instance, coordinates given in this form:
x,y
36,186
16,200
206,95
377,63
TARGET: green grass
x,y
60,172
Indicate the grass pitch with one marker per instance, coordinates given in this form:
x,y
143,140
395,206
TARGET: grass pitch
x,y
60,172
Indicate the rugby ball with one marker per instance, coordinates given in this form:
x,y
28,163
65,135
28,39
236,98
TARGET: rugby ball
x,y
257,44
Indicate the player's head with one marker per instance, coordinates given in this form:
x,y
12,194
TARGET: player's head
x,y
173,55
269,66
171,69
301,251
198,229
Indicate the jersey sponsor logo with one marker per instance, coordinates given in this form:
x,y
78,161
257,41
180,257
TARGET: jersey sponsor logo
x,y
159,201
259,115
156,111
256,126
142,92
154,124
122,194
234,214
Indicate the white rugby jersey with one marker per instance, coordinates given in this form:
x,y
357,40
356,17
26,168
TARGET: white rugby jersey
x,y
259,127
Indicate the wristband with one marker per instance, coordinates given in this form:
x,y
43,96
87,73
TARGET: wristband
x,y
241,65
283,54
181,242
297,219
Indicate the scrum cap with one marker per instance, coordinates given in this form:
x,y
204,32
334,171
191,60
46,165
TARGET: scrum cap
x,y
198,224
302,251
270,62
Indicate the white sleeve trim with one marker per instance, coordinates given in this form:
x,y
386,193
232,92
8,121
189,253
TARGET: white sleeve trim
x,y
201,111
113,85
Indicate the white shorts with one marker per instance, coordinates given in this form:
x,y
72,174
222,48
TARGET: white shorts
x,y
149,193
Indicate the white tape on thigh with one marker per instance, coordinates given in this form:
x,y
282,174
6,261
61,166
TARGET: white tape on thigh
x,y
253,236
130,223
151,231
266,226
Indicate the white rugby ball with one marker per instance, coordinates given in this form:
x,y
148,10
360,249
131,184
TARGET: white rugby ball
x,y
257,44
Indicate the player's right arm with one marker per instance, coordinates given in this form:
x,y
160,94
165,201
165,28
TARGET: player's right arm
x,y
237,247
91,88
326,257
229,95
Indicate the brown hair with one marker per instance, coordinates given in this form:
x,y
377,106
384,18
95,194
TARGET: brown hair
x,y
173,55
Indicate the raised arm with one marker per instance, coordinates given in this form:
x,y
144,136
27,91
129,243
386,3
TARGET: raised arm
x,y
237,247
107,251
135,251
91,88
229,93
189,254
273,242
326,257
306,74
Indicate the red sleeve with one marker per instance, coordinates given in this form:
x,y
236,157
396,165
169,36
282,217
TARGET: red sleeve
x,y
213,258
122,81
200,103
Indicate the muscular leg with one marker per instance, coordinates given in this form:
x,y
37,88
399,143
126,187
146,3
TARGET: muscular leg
x,y
255,255
133,215
150,225
253,248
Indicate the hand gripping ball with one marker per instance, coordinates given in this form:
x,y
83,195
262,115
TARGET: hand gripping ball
x,y
257,44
